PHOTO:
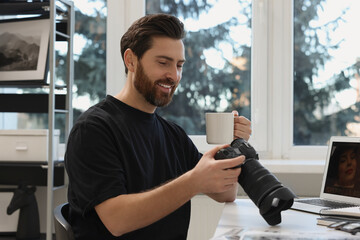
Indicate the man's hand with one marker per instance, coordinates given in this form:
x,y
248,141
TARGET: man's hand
x,y
242,126
216,176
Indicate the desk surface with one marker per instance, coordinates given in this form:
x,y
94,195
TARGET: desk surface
x,y
242,218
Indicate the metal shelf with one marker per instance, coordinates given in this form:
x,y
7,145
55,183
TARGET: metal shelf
x,y
24,8
13,173
53,175
30,102
31,8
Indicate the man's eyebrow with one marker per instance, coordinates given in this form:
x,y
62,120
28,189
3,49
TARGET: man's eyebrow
x,y
170,58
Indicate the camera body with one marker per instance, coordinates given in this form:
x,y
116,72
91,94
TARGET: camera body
x,y
262,187
238,147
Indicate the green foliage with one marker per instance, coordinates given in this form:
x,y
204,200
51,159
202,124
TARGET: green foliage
x,y
312,125
90,65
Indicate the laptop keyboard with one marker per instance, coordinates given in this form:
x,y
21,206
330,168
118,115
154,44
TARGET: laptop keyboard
x,y
325,203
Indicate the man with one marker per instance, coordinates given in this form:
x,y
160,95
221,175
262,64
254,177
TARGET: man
x,y
132,173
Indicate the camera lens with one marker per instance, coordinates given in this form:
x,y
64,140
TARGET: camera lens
x,y
257,181
262,187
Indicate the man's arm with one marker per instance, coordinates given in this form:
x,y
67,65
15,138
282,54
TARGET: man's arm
x,y
128,212
228,196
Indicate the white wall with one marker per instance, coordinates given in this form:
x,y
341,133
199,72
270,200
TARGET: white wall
x,y
121,14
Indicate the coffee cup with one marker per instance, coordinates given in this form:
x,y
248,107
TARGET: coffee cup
x,y
219,127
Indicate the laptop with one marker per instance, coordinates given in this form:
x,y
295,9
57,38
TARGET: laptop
x,y
341,179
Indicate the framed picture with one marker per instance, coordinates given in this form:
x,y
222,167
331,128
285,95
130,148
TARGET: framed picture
x,y
24,50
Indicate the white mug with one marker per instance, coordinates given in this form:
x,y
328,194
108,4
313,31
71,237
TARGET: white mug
x,y
219,128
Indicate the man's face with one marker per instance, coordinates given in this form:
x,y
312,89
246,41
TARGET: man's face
x,y
159,71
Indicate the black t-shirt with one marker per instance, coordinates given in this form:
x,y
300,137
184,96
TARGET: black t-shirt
x,y
115,149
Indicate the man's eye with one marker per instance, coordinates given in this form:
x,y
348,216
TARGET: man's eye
x,y
162,63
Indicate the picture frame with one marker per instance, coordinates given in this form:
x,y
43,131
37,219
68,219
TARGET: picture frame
x,y
24,49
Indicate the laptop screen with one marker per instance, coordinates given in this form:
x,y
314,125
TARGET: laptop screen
x,y
343,172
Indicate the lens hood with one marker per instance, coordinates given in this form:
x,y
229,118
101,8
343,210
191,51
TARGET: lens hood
x,y
277,201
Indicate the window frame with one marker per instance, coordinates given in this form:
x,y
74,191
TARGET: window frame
x,y
281,15
272,75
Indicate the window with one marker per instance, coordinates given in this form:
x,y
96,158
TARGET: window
x,y
279,39
326,71
226,60
217,74
89,54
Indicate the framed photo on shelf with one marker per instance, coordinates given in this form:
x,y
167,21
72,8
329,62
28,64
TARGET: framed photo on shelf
x,y
24,50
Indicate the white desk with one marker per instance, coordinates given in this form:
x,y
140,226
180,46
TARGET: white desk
x,y
242,218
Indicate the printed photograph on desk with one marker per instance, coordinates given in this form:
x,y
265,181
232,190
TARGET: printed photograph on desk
x,y
274,235
343,176
24,49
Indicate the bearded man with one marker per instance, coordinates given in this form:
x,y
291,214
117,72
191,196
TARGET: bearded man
x,y
132,173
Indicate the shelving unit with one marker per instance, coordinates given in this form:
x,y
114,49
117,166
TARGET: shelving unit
x,y
62,18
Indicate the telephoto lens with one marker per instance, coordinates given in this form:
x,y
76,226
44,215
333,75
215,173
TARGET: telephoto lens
x,y
262,187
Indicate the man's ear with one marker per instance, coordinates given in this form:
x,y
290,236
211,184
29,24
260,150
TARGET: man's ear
x,y
130,59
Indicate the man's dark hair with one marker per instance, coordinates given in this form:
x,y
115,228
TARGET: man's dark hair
x,y
139,36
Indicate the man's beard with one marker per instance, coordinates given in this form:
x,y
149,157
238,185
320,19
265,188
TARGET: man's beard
x,y
149,89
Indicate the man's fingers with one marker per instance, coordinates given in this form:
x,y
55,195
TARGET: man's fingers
x,y
241,134
232,173
243,121
242,128
214,150
232,162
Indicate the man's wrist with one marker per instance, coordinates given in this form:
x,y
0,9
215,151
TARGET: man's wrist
x,y
191,183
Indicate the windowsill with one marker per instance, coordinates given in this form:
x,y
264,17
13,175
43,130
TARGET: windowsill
x,y
294,166
307,164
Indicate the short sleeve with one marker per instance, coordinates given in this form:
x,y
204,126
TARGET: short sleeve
x,y
94,168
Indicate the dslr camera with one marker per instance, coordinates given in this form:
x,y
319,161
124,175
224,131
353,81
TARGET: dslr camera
x,y
262,187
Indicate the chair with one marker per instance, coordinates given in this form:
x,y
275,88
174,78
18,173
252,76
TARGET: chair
x,y
63,230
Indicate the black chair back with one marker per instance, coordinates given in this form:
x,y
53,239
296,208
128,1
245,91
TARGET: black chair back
x,y
63,230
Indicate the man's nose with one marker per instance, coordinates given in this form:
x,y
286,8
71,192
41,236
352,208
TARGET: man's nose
x,y
174,73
